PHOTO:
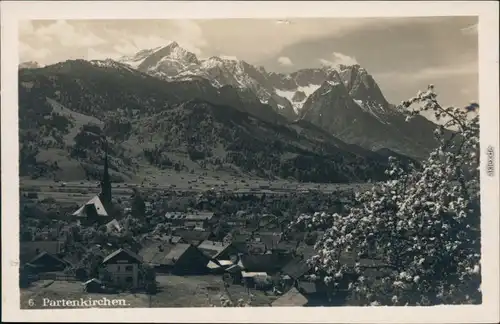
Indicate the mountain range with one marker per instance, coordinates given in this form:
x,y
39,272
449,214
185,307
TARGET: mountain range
x,y
345,100
166,108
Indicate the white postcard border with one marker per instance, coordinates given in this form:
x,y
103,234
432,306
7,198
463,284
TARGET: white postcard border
x,y
12,12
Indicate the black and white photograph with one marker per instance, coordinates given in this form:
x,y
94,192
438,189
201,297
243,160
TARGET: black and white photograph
x,y
312,162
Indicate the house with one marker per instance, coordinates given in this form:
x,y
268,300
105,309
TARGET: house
x,y
305,251
47,262
171,239
291,298
186,259
297,268
286,247
219,266
259,280
123,266
269,263
241,237
271,240
92,286
256,248
113,226
193,237
30,249
196,219
155,253
235,272
218,250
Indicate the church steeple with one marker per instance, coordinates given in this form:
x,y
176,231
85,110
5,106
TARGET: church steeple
x,y
106,180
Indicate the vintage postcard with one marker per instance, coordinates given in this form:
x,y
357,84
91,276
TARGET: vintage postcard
x,y
254,161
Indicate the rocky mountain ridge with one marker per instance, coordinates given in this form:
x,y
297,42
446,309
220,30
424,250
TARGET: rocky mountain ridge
x,y
188,125
295,96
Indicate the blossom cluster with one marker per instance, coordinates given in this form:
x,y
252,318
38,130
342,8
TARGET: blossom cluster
x,y
419,230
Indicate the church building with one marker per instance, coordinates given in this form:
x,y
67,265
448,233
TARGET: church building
x,y
99,209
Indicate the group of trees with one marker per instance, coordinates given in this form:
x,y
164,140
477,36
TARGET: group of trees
x,y
422,225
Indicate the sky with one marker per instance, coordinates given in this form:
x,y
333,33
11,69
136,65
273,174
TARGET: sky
x,y
404,55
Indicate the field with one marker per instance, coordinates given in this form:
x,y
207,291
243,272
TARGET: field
x,y
81,191
174,291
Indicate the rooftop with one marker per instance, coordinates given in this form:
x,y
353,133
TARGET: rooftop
x,y
291,298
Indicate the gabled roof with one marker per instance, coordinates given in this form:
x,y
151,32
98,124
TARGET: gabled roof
x,y
291,298
177,251
271,240
296,268
117,252
306,250
213,248
308,287
155,253
30,249
190,236
97,281
113,225
44,254
263,262
97,203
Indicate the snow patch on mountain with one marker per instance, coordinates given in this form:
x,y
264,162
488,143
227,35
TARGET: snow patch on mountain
x,y
370,108
288,94
135,60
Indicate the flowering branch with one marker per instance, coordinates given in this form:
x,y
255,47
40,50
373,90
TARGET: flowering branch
x,y
422,225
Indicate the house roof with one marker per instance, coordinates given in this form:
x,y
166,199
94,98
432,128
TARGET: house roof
x,y
119,251
286,245
291,298
170,238
234,268
212,248
199,216
307,287
253,274
190,236
296,268
219,263
44,254
176,252
152,254
306,250
270,240
97,203
174,215
30,249
113,225
241,237
92,280
263,262
256,247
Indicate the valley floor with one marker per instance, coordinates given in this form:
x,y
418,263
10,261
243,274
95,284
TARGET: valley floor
x,y
80,191
174,291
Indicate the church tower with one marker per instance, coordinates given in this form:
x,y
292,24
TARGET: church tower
x,y
105,194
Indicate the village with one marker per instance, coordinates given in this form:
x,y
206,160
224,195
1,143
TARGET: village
x,y
195,255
